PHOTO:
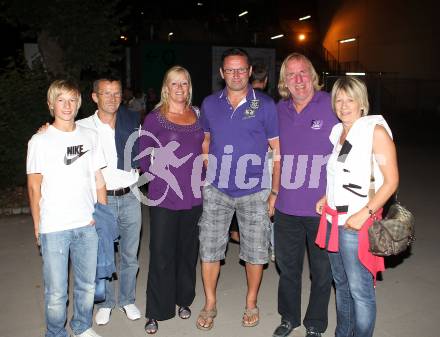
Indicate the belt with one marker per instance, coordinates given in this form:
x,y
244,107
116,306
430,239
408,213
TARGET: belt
x,y
118,192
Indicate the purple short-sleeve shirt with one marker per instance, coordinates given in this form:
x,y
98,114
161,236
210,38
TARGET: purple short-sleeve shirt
x,y
304,147
239,141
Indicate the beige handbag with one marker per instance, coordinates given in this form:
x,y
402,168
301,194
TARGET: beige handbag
x,y
393,234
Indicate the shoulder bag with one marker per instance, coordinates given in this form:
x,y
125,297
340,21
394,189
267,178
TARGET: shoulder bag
x,y
393,234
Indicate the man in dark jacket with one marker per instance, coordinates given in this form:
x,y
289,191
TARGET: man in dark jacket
x,y
114,124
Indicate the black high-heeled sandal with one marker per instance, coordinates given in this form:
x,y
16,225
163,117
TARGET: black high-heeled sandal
x,y
151,326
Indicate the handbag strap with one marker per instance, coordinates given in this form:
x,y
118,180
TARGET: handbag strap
x,y
372,190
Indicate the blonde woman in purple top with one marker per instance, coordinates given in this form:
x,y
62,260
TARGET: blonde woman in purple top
x,y
170,145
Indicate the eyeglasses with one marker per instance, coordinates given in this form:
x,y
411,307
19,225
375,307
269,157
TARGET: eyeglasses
x,y
110,94
239,70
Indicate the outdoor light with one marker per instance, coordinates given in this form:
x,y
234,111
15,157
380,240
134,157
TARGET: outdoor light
x,y
243,13
301,37
123,37
170,34
355,74
305,17
352,39
276,36
200,4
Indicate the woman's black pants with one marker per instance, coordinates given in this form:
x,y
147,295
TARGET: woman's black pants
x,y
174,245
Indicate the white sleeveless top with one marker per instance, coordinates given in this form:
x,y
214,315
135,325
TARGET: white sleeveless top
x,y
349,167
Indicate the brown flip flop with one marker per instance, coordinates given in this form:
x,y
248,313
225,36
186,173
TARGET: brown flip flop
x,y
206,315
247,316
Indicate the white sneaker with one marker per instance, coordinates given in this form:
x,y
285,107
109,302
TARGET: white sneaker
x,y
88,333
131,311
102,317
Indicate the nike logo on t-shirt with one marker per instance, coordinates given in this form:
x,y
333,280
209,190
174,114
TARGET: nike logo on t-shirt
x,y
69,161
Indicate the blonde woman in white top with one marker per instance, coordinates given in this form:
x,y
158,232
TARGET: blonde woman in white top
x,y
361,144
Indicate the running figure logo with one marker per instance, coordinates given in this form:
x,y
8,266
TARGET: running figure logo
x,y
162,158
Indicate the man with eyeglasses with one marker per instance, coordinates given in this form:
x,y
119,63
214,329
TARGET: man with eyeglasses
x,y
239,124
114,124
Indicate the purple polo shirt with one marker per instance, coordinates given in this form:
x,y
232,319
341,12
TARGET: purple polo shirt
x,y
304,147
172,167
239,141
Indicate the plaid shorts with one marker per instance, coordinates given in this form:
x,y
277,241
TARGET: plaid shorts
x,y
253,222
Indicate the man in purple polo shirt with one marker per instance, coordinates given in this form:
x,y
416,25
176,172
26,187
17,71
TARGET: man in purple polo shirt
x,y
306,119
239,124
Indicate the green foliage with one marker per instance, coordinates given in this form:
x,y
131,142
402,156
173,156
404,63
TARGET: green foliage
x,y
86,31
83,34
23,110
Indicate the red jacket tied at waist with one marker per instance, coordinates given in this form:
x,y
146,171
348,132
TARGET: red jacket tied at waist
x,y
373,263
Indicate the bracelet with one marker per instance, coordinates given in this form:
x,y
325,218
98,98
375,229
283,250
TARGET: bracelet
x,y
370,211
273,192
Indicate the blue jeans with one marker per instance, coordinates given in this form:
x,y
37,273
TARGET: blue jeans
x,y
128,211
82,244
355,295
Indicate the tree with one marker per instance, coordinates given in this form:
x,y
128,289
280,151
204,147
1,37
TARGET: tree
x,y
75,38
72,35
22,109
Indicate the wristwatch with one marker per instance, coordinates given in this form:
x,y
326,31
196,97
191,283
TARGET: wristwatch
x,y
273,192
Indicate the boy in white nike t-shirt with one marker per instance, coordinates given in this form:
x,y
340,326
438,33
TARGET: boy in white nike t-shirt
x,y
64,183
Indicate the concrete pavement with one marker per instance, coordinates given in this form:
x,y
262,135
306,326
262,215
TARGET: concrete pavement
x,y
408,296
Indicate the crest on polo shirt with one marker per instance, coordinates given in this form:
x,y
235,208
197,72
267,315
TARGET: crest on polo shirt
x,y
316,124
249,113
253,106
